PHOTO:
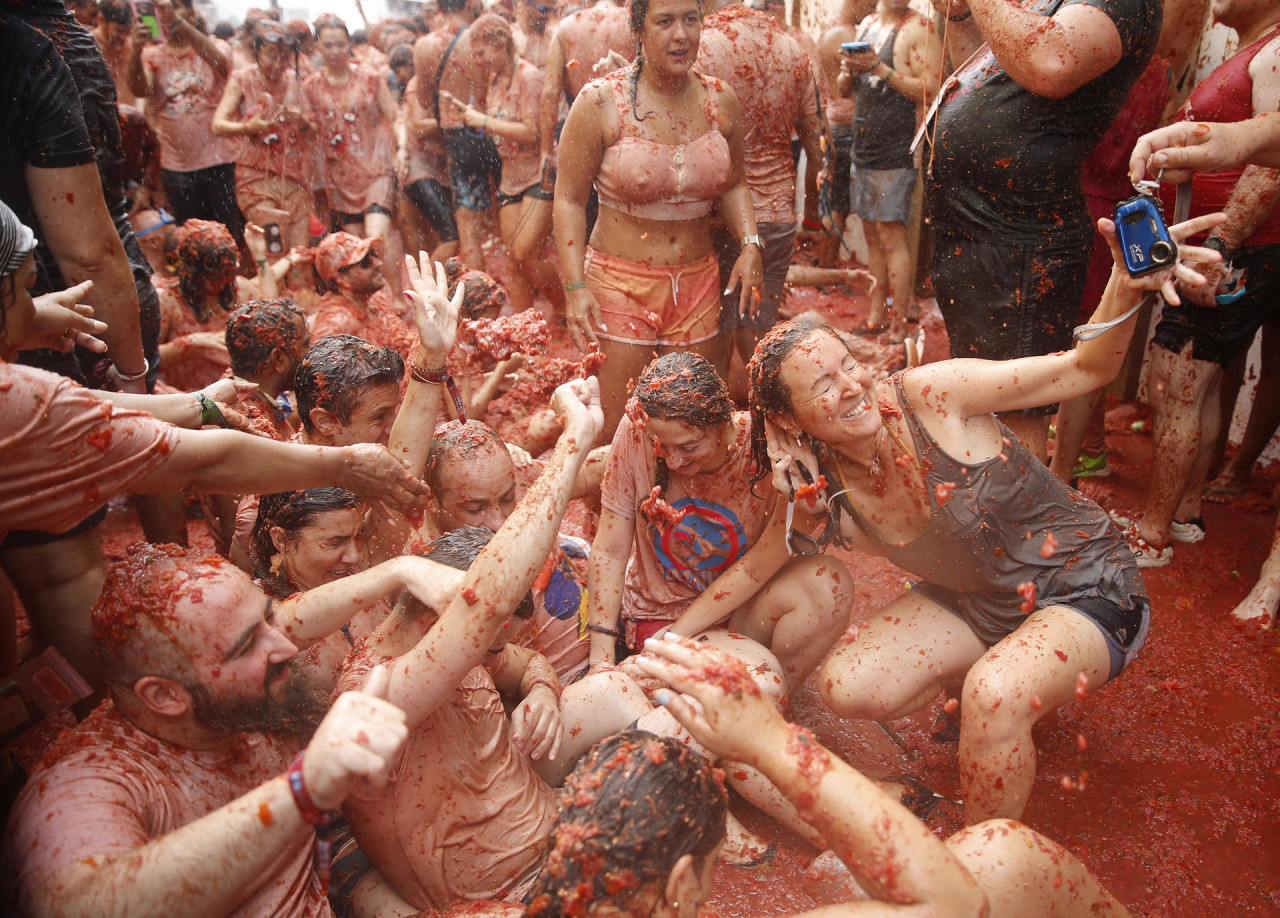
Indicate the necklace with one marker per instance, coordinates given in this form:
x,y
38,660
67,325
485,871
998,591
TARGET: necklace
x,y
873,470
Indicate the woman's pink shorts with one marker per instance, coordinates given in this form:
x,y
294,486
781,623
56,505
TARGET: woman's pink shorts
x,y
668,305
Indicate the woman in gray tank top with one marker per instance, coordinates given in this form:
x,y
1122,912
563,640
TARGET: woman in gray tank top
x,y
1029,595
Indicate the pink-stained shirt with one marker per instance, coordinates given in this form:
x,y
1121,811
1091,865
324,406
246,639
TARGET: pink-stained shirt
x,y
589,35
776,86
354,137
66,451
112,788
553,629
285,151
519,100
185,91
463,817
195,367
724,515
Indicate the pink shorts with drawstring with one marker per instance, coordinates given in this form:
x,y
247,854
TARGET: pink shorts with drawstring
x,y
667,305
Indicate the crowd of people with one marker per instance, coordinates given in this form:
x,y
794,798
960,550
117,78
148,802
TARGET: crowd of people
x,y
397,681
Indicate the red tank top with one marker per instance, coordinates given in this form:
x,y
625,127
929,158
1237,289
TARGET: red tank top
x,y
1226,95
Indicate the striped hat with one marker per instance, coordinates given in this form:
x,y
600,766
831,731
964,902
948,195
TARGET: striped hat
x,y
16,241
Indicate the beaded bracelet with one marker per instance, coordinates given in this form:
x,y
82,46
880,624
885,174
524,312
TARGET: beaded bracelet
x,y
578,285
601,629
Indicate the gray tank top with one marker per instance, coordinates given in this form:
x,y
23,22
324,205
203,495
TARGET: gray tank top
x,y
986,539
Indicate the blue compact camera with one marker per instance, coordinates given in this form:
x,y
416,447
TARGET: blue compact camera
x,y
1143,236
855,47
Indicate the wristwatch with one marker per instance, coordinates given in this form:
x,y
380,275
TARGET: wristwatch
x,y
753,240
1219,245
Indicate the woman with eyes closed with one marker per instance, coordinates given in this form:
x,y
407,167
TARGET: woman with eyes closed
x,y
1030,597
678,512
662,146
309,552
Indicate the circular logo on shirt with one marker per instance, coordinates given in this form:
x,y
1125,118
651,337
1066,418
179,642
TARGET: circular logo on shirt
x,y
702,546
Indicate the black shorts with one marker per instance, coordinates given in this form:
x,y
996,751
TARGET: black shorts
x,y
27,538
1220,333
474,168
435,203
535,191
1001,301
841,155
779,244
205,194
342,218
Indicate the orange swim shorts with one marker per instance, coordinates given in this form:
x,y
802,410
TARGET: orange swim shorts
x,y
668,305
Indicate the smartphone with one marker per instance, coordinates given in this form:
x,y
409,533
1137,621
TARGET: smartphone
x,y
855,47
145,10
275,241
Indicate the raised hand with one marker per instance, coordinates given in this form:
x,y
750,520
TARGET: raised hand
x,y
358,740
788,455
434,313
1185,147
577,406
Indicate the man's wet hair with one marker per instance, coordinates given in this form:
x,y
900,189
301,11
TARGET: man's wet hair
x,y
132,621
116,11
257,329
458,440
631,809
451,6
224,30
335,372
459,549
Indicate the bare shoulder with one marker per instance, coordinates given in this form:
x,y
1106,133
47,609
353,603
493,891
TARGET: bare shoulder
x,y
916,25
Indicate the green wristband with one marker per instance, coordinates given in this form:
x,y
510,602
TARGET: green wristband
x,y
210,413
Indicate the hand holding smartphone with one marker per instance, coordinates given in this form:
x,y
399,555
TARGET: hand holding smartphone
x,y
144,11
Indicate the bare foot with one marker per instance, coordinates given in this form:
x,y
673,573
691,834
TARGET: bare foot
x,y
741,847
878,316
1260,605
